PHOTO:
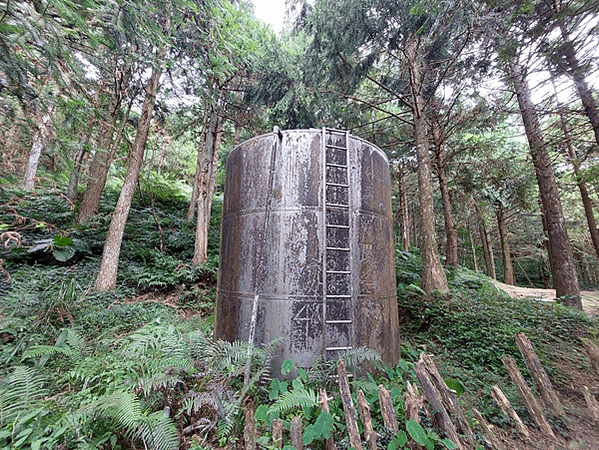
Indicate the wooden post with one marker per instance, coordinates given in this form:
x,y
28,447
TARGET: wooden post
x,y
249,430
592,403
542,381
447,396
329,443
387,411
592,350
277,433
348,407
434,398
507,409
527,396
411,401
489,434
364,411
296,433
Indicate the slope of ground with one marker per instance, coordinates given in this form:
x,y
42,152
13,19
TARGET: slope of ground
x,y
590,299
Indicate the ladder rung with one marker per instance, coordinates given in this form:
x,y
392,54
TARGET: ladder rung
x,y
337,205
338,271
338,248
339,321
345,227
331,349
338,296
335,147
337,185
343,166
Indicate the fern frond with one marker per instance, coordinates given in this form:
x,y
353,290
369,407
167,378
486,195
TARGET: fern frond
x,y
157,432
37,351
194,402
297,398
164,340
355,356
226,425
124,407
20,391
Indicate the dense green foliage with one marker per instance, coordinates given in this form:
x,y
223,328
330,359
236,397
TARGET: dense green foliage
x,y
106,370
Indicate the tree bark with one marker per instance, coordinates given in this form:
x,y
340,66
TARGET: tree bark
x,y
433,276
105,149
206,181
488,255
509,277
451,245
404,214
577,72
565,278
39,142
473,247
199,161
110,257
451,241
582,187
348,407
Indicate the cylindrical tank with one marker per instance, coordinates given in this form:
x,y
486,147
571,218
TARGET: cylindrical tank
x,y
307,251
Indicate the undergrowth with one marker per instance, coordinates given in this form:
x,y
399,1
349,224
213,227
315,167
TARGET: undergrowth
x,y
81,369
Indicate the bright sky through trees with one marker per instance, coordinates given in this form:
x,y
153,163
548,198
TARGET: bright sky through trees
x,y
271,12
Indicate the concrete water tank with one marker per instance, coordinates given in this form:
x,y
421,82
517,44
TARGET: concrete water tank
x,y
307,249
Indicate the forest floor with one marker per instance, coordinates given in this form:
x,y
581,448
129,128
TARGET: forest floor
x,y
580,430
590,299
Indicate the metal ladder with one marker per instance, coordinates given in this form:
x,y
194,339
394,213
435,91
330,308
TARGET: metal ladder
x,y
337,257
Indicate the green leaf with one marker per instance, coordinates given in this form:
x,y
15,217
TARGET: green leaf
x,y
402,438
416,432
62,241
261,413
449,444
454,385
324,425
309,434
303,375
287,366
63,253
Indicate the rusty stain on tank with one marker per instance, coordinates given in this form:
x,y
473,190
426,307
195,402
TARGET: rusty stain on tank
x,y
307,250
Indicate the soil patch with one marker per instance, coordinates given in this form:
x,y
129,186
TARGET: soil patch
x,y
590,299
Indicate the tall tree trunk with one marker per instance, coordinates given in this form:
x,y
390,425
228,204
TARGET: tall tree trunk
x,y
509,277
110,257
577,72
74,178
105,148
451,244
404,214
196,179
565,278
206,182
433,276
473,247
100,163
39,142
582,187
488,255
